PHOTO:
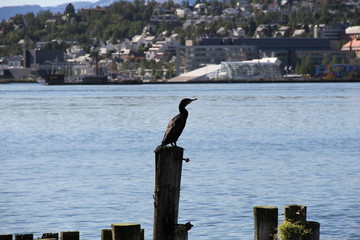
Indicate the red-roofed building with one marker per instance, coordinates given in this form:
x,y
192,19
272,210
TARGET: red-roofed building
x,y
354,44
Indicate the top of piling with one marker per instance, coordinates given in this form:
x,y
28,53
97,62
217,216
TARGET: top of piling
x,y
165,148
267,207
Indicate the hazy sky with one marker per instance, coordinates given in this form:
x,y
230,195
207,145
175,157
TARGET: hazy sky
x,y
43,3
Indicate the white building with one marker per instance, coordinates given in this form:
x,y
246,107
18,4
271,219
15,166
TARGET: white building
x,y
157,51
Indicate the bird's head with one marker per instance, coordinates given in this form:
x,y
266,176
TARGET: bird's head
x,y
187,101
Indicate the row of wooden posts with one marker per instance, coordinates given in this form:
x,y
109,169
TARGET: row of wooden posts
x,y
168,168
265,226
69,235
118,231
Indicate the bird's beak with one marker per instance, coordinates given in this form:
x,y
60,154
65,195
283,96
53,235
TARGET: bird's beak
x,y
193,99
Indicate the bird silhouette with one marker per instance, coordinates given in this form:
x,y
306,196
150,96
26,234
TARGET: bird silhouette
x,y
176,125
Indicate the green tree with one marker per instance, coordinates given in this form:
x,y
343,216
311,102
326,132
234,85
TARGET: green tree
x,y
69,9
334,59
304,66
325,60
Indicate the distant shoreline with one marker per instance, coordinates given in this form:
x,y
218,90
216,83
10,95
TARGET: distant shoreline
x,y
310,80
5,81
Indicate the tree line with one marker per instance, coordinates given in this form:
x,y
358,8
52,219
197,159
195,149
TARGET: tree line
x,y
124,19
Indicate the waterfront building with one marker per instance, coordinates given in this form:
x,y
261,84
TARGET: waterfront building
x,y
216,50
256,70
353,33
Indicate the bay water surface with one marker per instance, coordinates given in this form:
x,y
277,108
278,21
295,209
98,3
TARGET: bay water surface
x,y
81,157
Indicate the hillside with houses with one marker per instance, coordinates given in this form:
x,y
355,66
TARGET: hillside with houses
x,y
158,41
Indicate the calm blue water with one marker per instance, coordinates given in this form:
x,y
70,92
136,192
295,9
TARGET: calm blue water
x,y
81,157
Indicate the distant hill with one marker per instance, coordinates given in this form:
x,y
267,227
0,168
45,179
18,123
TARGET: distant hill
x,y
8,12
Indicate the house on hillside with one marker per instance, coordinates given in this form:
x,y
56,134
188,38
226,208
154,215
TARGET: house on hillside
x,y
299,33
127,55
351,5
139,40
263,31
157,51
246,14
283,31
164,18
200,9
238,32
108,47
75,51
230,12
273,7
184,12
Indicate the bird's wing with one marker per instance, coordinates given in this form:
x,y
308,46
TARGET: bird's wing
x,y
174,129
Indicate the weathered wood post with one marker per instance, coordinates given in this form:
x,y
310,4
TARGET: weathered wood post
x,y
168,166
50,235
106,234
28,236
314,228
6,237
295,213
70,235
126,231
301,228
265,222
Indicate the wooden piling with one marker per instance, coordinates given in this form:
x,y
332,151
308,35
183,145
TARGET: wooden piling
x,y
126,231
50,235
106,234
295,213
28,236
142,234
168,166
6,237
296,227
70,235
265,222
314,228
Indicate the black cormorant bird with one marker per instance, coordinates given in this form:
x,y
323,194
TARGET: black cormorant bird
x,y
176,125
